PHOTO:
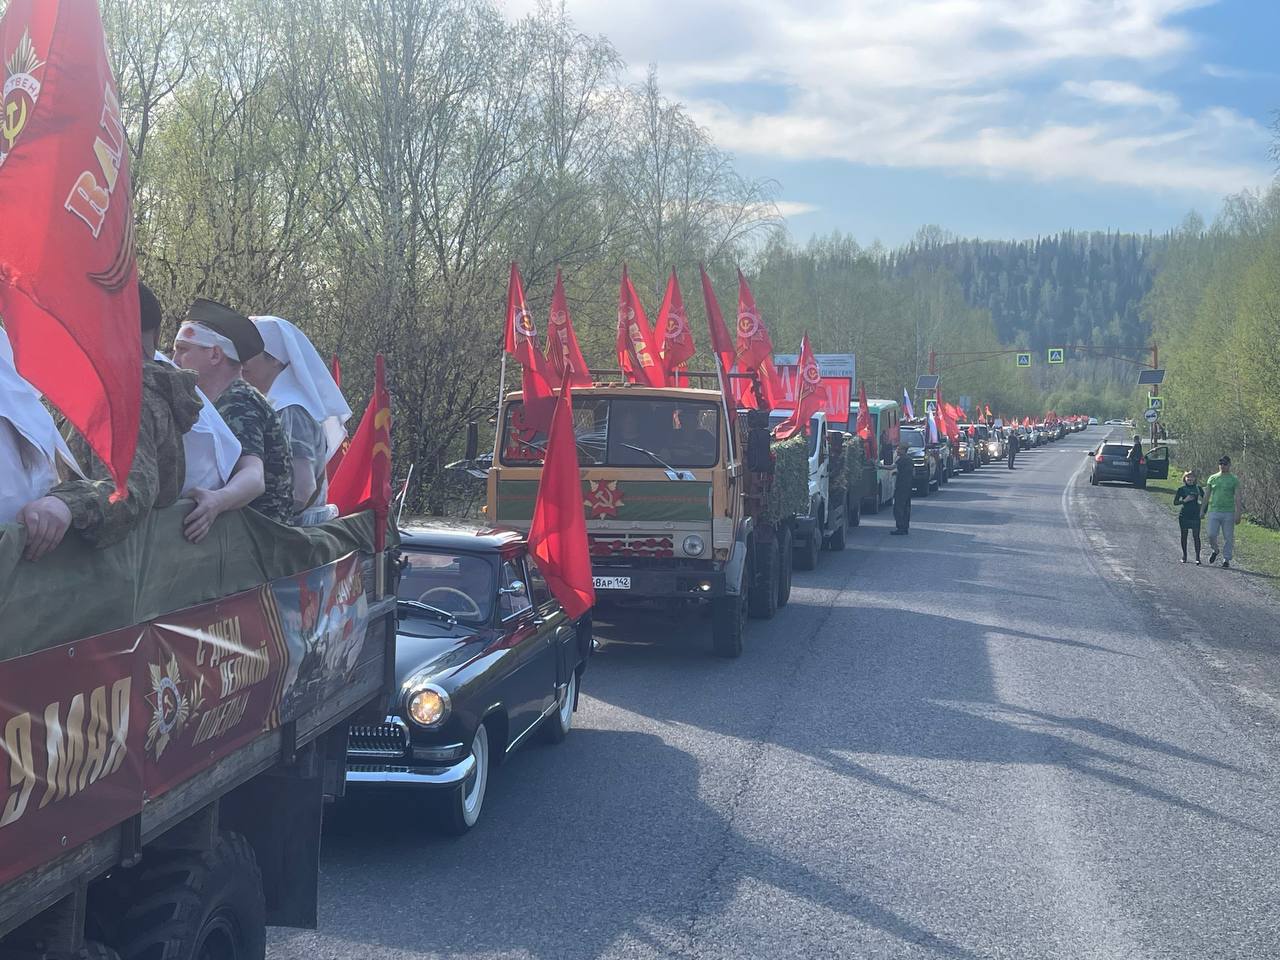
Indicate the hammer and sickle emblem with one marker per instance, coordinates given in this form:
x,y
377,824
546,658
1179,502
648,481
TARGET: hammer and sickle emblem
x,y
15,118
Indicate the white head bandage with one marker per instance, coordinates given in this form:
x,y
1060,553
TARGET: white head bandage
x,y
197,333
305,380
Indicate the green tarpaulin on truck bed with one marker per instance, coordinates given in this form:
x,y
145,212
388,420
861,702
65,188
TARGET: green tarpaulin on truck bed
x,y
79,591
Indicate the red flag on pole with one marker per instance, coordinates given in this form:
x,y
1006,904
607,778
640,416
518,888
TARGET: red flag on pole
x,y
637,352
677,338
522,343
563,351
558,531
68,279
721,343
754,347
864,427
363,478
810,394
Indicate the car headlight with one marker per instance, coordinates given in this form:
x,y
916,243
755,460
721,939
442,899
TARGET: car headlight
x,y
693,545
429,706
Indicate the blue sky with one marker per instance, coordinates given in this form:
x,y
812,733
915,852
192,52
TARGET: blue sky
x,y
993,118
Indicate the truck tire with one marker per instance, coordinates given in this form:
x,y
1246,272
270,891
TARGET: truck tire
x,y
762,599
196,905
786,561
806,555
728,621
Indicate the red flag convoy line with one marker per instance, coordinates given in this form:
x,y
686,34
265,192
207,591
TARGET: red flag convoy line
x,y
68,279
677,338
562,342
638,354
558,530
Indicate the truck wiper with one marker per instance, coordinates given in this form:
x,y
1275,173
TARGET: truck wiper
x,y
429,610
672,472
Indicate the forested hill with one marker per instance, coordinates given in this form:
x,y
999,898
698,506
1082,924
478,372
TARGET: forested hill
x,y
1058,290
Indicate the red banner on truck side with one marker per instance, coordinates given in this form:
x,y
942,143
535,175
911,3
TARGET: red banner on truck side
x,y
92,728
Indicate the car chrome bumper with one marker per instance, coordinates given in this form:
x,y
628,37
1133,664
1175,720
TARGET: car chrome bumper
x,y
425,777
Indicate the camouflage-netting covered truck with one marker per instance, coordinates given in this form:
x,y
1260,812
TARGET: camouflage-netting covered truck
x,y
174,716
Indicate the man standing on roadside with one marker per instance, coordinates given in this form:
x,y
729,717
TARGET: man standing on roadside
x,y
1014,443
902,486
1223,508
1135,458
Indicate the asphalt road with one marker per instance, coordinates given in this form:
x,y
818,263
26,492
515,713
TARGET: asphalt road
x,y
1021,732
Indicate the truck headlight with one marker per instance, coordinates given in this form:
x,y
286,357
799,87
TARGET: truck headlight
x,y
693,545
429,706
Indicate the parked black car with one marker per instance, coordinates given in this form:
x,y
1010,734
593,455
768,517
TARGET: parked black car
x,y
926,458
1110,461
485,658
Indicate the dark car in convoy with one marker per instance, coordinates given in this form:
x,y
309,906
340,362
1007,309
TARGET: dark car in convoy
x,y
926,462
1110,461
485,659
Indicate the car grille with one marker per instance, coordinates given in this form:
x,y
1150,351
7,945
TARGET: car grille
x,y
388,739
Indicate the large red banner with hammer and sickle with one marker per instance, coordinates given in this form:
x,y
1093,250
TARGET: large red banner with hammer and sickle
x,y
68,280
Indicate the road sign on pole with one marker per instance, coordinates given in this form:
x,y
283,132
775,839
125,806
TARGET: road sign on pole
x,y
1024,359
1152,415
1057,355
1154,402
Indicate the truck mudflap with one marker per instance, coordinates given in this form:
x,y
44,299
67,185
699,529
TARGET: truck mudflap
x,y
629,583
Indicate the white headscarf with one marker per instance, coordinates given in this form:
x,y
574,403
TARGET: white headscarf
x,y
20,405
305,380
211,448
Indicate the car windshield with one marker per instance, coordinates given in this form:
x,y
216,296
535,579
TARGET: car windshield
x,y
457,583
625,432
912,437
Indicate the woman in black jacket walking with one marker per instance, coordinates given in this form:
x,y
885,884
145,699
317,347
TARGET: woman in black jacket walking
x,y
1190,497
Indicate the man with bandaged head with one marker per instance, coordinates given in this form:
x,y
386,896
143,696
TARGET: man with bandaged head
x,y
297,382
214,341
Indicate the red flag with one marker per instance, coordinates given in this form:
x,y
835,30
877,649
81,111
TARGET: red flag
x,y
810,394
755,348
988,411
335,370
558,531
363,479
721,342
563,351
68,279
677,338
637,352
865,428
522,343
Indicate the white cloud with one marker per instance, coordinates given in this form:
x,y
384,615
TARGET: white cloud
x,y
1036,88
794,208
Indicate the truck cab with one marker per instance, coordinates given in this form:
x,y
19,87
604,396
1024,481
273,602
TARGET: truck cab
x,y
886,417
830,512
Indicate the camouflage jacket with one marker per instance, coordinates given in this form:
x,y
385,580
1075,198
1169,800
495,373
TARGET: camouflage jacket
x,y
257,426
170,405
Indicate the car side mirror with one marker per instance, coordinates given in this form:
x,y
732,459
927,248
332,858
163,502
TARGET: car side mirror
x,y
473,440
515,589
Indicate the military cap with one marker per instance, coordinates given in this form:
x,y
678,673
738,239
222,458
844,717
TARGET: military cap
x,y
227,323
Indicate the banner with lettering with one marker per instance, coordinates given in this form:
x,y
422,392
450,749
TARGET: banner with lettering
x,y
91,728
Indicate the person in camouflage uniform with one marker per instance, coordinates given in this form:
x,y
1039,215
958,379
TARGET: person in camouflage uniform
x,y
214,341
170,406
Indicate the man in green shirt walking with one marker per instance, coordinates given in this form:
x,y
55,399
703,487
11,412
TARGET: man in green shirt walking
x,y
1222,507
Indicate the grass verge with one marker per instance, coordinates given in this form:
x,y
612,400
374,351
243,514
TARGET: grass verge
x,y
1257,547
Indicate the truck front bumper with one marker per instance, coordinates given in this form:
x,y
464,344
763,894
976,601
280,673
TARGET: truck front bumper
x,y
658,584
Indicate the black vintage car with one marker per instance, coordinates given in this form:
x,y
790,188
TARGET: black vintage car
x,y
485,659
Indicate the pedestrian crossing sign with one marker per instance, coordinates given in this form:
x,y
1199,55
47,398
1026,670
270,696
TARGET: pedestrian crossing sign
x,y
1024,359
1154,402
931,404
1057,355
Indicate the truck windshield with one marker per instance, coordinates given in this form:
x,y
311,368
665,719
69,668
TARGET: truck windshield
x,y
625,432
912,438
